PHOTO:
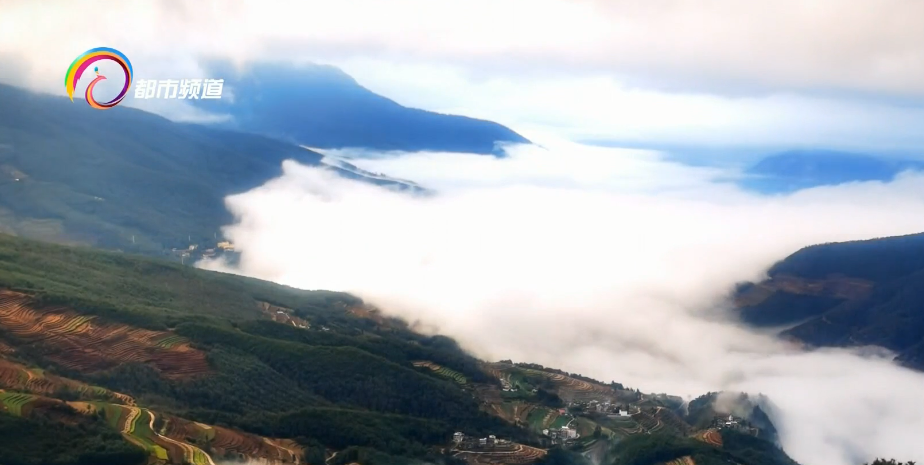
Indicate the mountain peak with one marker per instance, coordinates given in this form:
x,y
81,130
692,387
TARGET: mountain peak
x,y
321,106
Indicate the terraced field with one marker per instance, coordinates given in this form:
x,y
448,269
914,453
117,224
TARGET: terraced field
x,y
539,417
137,426
5,349
518,454
648,422
630,429
17,377
519,412
16,403
443,371
82,343
672,421
565,384
179,441
585,428
225,442
711,437
682,461
282,315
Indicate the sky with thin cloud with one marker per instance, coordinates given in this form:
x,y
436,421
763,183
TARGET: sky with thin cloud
x,y
841,74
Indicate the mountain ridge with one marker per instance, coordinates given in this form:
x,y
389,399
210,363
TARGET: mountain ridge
x,y
128,179
793,170
322,106
868,292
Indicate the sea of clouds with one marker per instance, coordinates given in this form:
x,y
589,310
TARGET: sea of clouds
x,y
612,263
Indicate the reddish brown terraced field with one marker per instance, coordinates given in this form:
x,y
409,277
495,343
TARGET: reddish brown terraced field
x,y
682,461
518,454
16,377
84,343
711,437
5,349
225,441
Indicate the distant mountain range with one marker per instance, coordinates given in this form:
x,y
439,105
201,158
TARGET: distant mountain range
x,y
801,169
847,294
323,107
128,179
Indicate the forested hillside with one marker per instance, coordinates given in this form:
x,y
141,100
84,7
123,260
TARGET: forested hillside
x,y
855,293
126,359
144,325
126,179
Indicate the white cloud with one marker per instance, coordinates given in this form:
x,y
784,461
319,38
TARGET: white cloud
x,y
601,108
790,44
666,72
621,279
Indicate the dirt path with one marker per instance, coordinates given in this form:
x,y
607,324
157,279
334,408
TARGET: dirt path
x,y
133,413
190,450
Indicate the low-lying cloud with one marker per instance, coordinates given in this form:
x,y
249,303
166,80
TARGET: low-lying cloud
x,y
611,263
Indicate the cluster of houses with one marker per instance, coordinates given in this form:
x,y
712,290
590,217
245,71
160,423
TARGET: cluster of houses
x,y
563,435
507,387
734,423
606,407
464,442
194,252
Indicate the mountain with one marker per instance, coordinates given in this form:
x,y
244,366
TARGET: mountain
x,y
323,107
801,169
109,358
124,178
847,294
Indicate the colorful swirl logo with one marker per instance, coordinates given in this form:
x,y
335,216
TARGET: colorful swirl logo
x,y
84,61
